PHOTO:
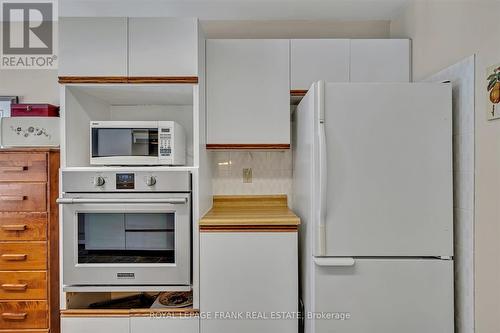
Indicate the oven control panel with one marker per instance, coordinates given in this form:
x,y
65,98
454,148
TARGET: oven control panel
x,y
126,180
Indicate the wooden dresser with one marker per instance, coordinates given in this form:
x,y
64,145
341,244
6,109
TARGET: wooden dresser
x,y
29,260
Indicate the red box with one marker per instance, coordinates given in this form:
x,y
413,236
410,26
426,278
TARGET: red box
x,y
34,110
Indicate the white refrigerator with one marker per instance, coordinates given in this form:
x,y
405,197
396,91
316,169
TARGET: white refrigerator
x,y
373,187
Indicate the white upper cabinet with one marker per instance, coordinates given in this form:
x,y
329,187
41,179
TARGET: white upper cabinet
x,y
248,91
163,47
380,60
318,59
93,46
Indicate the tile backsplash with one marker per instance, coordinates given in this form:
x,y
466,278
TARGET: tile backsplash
x,y
271,172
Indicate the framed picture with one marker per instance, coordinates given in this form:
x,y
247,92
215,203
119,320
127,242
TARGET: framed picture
x,y
5,102
493,88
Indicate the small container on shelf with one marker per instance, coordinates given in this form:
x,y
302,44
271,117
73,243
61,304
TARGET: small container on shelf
x,y
34,110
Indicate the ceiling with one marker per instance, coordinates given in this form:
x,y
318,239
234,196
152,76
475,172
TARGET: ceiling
x,y
239,9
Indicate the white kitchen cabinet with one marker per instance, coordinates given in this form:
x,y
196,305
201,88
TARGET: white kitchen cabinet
x,y
318,59
248,91
163,46
95,325
249,273
161,324
93,46
380,60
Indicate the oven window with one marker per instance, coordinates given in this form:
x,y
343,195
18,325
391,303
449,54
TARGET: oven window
x,y
124,142
116,238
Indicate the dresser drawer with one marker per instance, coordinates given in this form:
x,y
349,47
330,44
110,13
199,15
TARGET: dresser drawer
x,y
23,256
23,285
22,197
23,226
23,314
23,167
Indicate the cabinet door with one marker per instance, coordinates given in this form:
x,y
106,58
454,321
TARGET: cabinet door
x,y
95,325
248,97
252,274
163,47
93,46
380,60
161,324
318,59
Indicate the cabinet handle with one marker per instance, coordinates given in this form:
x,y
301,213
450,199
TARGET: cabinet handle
x,y
12,198
14,227
14,316
13,169
14,257
14,287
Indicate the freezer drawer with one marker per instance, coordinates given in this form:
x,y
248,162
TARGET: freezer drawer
x,y
385,296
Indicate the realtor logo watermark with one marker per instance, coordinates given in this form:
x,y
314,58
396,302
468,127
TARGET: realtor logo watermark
x,y
28,34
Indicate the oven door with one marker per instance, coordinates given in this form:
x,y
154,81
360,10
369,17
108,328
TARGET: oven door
x,y
115,239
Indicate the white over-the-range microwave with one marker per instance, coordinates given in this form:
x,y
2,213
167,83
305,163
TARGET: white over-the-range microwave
x,y
137,143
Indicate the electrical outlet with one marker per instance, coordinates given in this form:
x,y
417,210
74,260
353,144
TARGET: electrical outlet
x,y
247,175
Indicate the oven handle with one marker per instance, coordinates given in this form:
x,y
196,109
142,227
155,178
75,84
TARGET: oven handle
x,y
174,201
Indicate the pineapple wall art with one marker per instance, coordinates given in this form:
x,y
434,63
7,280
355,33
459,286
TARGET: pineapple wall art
x,y
493,87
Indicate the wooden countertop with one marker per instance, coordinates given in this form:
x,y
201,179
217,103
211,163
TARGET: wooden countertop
x,y
250,213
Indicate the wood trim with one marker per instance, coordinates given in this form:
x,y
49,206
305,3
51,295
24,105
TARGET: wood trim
x,y
126,312
298,92
127,79
53,160
28,150
24,331
92,79
239,146
164,79
249,228
95,313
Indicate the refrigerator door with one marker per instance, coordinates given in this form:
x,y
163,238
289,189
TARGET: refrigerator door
x,y
304,125
388,170
384,296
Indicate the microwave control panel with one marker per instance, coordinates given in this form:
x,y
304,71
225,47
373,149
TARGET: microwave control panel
x,y
165,141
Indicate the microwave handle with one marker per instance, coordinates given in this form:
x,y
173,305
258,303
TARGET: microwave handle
x,y
174,201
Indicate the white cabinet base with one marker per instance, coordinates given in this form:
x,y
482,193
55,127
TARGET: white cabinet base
x,y
95,325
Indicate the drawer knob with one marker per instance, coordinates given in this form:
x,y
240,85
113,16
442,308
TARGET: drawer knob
x,y
14,316
14,227
14,257
14,286
12,198
13,169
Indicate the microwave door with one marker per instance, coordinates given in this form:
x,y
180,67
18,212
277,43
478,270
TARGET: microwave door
x,y
145,142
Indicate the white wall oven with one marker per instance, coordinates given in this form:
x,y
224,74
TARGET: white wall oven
x,y
126,228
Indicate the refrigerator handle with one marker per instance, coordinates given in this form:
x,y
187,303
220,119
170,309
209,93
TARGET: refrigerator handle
x,y
334,262
323,176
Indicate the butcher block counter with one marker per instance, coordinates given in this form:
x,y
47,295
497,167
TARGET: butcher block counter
x,y
249,263
250,213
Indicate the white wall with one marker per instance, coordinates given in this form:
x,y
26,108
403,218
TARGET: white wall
x,y
295,29
443,32
32,86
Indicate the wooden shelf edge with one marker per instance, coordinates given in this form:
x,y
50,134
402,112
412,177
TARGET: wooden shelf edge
x,y
128,312
298,92
128,79
237,146
249,228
